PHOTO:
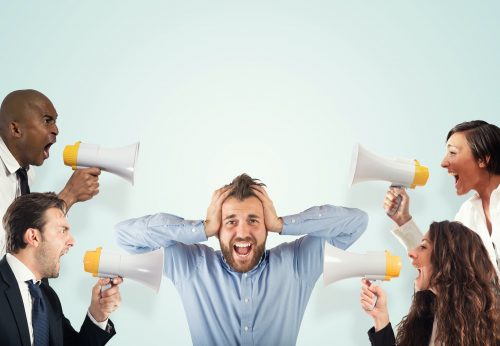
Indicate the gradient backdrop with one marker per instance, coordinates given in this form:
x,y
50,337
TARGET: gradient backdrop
x,y
278,89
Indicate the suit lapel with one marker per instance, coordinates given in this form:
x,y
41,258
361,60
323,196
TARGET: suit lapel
x,y
13,296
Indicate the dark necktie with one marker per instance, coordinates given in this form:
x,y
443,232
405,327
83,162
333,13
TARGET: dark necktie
x,y
23,179
39,316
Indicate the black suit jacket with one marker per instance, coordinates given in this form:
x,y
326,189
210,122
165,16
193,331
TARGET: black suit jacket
x,y
14,326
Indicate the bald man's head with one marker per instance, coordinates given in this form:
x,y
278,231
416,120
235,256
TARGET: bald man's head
x,y
28,126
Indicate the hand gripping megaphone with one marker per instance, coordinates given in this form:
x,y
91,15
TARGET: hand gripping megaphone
x,y
400,172
339,265
146,268
119,161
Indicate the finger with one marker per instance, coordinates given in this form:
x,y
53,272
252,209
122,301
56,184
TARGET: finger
x,y
118,280
367,306
260,189
113,300
109,292
108,308
103,281
222,197
95,171
365,292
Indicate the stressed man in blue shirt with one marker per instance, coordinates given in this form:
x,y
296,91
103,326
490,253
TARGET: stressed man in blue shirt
x,y
244,294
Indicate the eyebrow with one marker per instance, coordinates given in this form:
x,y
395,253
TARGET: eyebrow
x,y
232,216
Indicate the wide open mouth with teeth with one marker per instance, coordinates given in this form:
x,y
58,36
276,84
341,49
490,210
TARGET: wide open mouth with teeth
x,y
242,248
454,175
46,149
419,272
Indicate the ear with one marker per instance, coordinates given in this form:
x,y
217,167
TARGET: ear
x,y
15,129
484,163
32,237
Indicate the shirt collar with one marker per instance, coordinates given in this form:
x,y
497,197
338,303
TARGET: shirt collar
x,y
8,159
475,197
21,272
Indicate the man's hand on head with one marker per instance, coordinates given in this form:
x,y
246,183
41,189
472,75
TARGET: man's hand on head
x,y
214,212
271,219
81,186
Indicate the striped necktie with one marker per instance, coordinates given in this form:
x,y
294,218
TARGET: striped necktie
x,y
39,316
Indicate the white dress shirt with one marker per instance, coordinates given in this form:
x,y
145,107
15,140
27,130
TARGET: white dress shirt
x,y
9,185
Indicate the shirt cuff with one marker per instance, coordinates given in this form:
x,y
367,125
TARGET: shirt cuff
x,y
101,325
408,234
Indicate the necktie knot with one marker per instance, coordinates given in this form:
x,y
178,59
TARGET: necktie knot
x,y
22,174
35,290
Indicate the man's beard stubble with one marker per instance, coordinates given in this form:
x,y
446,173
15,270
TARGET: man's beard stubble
x,y
258,252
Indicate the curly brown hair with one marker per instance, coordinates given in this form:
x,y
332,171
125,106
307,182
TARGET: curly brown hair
x,y
466,305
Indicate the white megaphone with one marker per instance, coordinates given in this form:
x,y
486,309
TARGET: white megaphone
x,y
146,268
119,161
366,166
339,265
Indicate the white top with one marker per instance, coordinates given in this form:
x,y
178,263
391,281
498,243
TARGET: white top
x,y
10,187
471,214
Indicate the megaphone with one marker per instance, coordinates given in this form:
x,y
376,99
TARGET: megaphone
x,y
366,166
119,161
400,172
145,268
339,265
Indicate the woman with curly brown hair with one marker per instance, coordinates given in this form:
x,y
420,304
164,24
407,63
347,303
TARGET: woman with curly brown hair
x,y
457,298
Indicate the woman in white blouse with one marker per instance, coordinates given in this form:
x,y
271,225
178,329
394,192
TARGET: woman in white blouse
x,y
473,159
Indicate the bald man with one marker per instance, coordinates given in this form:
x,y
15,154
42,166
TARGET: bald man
x,y
27,131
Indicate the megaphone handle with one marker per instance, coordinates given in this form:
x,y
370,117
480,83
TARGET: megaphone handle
x,y
395,209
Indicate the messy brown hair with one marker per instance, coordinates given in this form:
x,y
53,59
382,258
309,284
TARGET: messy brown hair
x,y
466,304
241,187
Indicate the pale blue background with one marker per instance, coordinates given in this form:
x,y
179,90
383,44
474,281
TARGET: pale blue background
x,y
278,89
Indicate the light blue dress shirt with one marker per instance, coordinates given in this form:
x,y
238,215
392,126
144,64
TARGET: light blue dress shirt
x,y
264,306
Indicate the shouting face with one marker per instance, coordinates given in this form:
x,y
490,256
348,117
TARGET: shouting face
x,y
461,164
56,240
36,131
421,260
243,233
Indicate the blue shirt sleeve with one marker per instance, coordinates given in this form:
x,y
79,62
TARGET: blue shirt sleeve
x,y
339,226
171,232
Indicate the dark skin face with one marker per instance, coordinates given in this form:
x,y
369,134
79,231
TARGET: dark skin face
x,y
28,126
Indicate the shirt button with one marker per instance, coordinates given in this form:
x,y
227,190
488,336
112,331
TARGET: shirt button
x,y
247,300
319,215
246,328
193,230
293,220
245,275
